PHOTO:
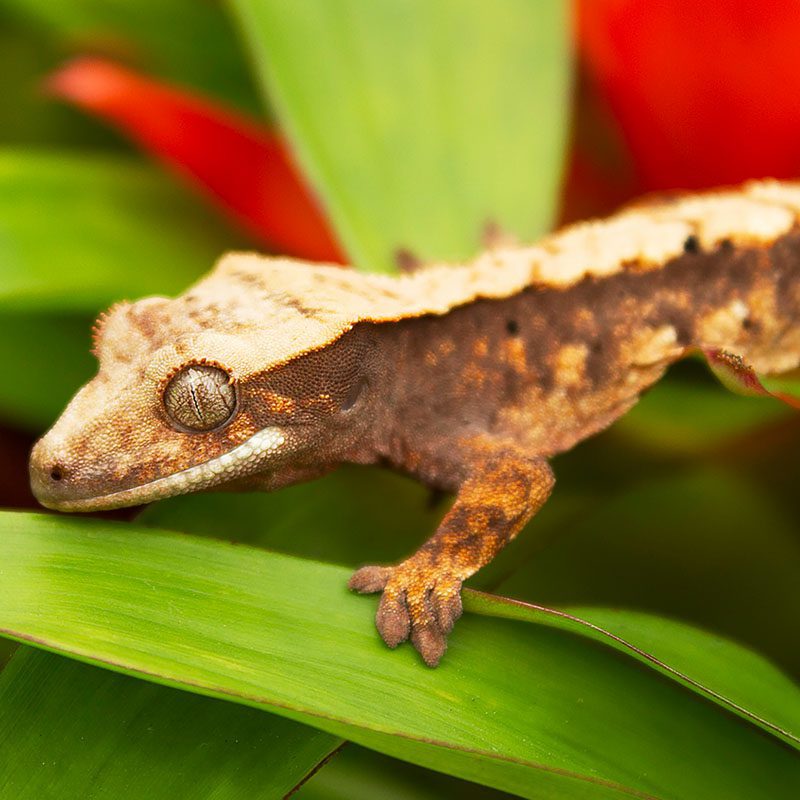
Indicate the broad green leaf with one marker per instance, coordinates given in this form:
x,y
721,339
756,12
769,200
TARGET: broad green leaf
x,y
80,231
420,122
320,516
180,40
526,708
689,540
728,673
741,677
69,730
355,515
701,544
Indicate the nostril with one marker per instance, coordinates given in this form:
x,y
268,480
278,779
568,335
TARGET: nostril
x,y
57,473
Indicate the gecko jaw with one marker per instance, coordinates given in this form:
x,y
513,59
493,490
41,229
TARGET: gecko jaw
x,y
240,461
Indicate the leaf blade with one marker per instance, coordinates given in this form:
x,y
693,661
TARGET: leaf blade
x,y
138,609
416,120
71,730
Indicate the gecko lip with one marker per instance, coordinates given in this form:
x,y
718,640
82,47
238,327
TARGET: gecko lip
x,y
240,461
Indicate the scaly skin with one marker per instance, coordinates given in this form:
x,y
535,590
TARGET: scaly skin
x,y
270,372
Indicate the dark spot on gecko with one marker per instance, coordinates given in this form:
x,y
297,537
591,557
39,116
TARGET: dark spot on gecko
x,y
297,304
684,330
726,245
691,244
512,327
598,366
405,260
786,266
148,324
246,276
493,236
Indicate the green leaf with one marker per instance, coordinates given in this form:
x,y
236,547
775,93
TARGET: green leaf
x,y
204,54
359,774
729,674
702,544
78,232
744,678
526,708
317,520
68,730
420,122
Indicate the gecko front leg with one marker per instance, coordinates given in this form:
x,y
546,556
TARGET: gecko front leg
x,y
421,599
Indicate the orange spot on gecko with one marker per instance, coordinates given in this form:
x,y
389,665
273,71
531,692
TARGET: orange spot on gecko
x,y
278,403
571,364
480,347
473,376
513,352
446,347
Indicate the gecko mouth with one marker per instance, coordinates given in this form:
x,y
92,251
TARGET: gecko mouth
x,y
239,462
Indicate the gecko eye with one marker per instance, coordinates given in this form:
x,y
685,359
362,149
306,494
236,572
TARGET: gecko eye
x,y
200,398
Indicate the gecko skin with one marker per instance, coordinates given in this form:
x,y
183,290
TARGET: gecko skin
x,y
270,371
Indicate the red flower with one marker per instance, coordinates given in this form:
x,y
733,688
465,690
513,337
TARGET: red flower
x,y
707,92
245,167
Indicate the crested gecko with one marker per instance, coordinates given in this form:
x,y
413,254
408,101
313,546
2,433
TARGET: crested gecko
x,y
271,371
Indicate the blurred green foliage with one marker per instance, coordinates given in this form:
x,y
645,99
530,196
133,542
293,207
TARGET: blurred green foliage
x,y
284,634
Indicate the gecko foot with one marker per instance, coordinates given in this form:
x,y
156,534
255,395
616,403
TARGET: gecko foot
x,y
418,602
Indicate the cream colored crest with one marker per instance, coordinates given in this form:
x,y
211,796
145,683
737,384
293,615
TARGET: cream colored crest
x,y
279,308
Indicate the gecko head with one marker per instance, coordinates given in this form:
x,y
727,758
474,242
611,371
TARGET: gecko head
x,y
210,389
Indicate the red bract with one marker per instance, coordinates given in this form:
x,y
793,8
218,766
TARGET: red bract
x,y
707,92
243,166
738,376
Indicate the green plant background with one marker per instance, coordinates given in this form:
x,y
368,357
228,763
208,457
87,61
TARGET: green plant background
x,y
202,669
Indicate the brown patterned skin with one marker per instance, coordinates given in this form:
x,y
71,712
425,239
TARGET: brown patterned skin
x,y
479,398
471,399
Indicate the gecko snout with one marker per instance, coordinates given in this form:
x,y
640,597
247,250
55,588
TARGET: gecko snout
x,y
50,475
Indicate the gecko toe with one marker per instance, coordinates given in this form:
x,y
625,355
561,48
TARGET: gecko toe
x,y
430,642
393,619
434,609
447,604
368,580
